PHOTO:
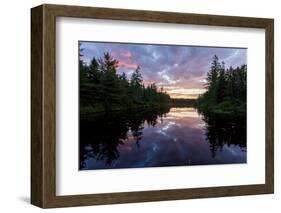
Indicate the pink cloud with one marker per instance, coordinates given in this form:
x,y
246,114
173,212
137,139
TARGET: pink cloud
x,y
128,65
127,54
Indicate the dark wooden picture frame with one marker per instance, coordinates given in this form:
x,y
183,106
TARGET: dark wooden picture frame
x,y
43,105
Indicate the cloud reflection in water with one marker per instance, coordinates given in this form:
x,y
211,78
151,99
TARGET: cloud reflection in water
x,y
177,138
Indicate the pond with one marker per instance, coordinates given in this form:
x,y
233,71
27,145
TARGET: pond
x,y
160,137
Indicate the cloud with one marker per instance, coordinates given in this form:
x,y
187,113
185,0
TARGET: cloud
x,y
170,66
127,65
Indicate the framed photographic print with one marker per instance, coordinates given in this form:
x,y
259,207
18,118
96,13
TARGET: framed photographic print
x,y
135,106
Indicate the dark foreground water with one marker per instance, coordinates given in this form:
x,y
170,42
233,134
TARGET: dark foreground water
x,y
162,137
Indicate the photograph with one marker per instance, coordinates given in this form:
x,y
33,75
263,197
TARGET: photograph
x,y
158,105
140,105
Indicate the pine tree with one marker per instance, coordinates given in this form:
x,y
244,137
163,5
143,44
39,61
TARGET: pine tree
x,y
212,79
221,84
226,88
101,88
136,79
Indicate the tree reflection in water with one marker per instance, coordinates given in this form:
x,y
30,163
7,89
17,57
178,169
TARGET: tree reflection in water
x,y
224,130
100,135
104,134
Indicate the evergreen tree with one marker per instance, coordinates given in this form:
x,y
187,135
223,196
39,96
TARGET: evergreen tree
x,y
94,73
110,89
212,79
102,89
136,79
226,88
221,85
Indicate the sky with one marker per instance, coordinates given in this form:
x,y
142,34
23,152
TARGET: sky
x,y
180,70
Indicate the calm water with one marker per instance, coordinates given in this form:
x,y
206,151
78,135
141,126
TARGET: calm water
x,y
162,137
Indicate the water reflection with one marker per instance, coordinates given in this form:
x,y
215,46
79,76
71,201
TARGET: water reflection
x,y
160,137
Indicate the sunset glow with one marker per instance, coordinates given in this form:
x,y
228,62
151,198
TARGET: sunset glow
x,y
179,70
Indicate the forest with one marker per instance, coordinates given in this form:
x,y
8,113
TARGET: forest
x,y
102,89
225,89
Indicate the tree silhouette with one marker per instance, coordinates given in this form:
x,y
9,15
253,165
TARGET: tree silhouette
x,y
226,89
102,89
102,134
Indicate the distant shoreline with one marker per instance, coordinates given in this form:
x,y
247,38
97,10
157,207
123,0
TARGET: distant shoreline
x,y
170,104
